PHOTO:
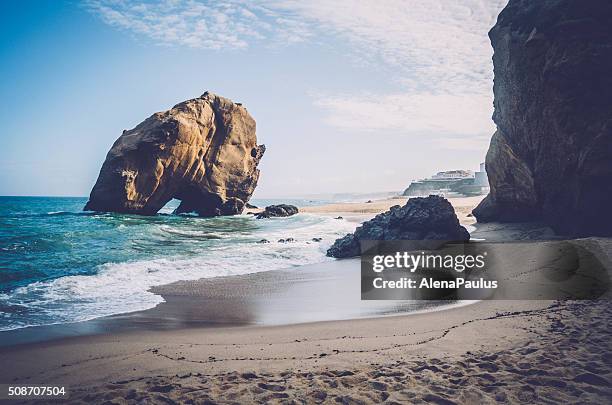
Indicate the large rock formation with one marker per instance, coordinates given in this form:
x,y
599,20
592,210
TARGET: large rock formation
x,y
551,157
431,218
203,152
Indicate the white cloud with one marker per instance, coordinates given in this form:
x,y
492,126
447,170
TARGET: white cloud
x,y
440,113
435,45
222,24
437,51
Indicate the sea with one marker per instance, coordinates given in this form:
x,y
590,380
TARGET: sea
x,y
59,264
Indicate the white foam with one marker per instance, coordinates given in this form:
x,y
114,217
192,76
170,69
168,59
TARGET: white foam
x,y
123,287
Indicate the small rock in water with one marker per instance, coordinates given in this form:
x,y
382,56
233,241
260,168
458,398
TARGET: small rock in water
x,y
263,241
338,217
280,210
317,239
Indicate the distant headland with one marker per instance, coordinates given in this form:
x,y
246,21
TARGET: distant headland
x,y
453,182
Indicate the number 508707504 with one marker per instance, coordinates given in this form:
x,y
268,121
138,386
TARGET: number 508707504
x,y
32,391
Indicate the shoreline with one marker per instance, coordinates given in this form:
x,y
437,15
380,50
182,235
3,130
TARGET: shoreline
x,y
158,316
330,291
487,351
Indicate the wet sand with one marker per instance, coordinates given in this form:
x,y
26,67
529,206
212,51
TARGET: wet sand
x,y
322,292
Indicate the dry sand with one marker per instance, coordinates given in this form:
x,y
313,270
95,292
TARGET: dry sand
x,y
501,351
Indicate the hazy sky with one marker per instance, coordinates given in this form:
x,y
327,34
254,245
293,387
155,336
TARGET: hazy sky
x,y
348,95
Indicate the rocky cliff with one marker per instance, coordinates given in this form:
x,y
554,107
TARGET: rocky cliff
x,y
550,159
203,152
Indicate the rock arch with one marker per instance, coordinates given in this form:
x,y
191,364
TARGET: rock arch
x,y
202,151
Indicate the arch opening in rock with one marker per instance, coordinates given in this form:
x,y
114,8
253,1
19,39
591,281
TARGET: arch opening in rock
x,y
202,151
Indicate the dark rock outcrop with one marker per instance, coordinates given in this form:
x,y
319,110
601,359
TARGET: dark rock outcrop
x,y
203,152
550,158
429,218
280,210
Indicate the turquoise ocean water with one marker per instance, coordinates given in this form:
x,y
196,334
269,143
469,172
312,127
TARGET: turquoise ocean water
x,y
59,264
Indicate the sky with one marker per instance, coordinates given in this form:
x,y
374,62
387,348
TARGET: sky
x,y
348,95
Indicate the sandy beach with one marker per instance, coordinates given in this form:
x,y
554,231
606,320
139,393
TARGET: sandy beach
x,y
306,202
267,338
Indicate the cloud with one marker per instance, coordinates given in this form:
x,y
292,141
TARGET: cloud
x,y
434,45
222,24
436,52
405,112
